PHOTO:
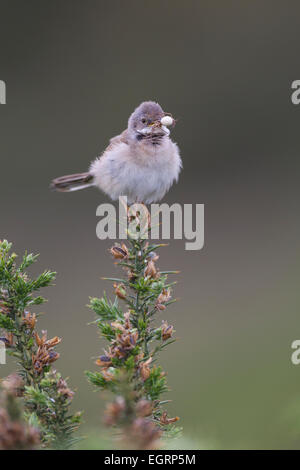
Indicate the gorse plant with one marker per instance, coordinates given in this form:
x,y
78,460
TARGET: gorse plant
x,y
45,394
35,402
15,433
50,403
128,367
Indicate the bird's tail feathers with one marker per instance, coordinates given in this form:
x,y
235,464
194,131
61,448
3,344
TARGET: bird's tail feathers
x,y
72,182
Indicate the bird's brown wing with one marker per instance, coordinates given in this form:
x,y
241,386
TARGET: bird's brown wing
x,y
118,139
83,180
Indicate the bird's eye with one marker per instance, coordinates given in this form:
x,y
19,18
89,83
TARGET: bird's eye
x,y
144,120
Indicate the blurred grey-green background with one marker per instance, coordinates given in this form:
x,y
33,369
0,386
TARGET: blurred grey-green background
x,y
74,71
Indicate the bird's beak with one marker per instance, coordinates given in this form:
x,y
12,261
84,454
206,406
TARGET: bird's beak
x,y
155,127
166,130
156,123
159,128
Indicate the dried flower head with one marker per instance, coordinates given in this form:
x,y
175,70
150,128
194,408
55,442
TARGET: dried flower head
x,y
4,308
107,374
132,276
153,256
53,356
13,384
166,331
164,297
164,420
123,344
8,339
40,341
145,369
64,390
120,291
144,408
114,411
127,316
15,435
50,343
43,342
144,434
45,354
117,325
119,252
5,305
104,361
150,270
29,320
40,360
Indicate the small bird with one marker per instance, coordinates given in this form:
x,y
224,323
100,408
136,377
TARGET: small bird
x,y
141,163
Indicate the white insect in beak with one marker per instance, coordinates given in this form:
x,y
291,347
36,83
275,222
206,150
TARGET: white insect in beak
x,y
167,121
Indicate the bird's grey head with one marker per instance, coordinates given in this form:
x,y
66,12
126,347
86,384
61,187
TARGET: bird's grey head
x,y
144,123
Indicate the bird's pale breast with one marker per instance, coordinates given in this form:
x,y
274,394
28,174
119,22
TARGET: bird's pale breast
x,y
143,173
